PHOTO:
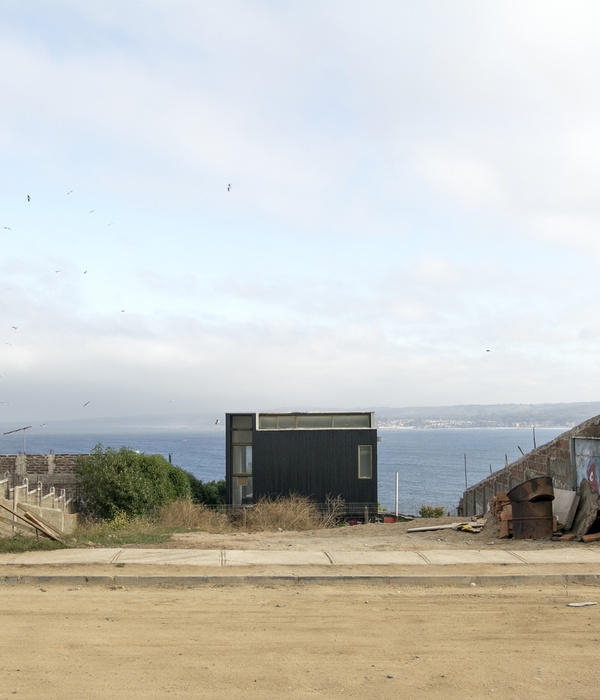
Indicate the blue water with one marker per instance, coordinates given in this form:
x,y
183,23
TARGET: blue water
x,y
430,463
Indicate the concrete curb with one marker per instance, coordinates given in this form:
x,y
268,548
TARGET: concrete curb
x,y
459,580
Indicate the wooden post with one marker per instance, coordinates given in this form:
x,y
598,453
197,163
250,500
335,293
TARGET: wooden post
x,y
366,515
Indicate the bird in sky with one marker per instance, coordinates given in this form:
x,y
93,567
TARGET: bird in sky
x,y
15,327
28,198
229,187
91,212
217,422
43,425
69,192
7,228
86,403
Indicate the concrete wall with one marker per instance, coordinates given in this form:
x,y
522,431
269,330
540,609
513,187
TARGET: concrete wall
x,y
552,459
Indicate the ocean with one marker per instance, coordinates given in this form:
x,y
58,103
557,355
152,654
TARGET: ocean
x,y
430,463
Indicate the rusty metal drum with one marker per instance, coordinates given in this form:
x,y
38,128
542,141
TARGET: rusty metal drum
x,y
538,489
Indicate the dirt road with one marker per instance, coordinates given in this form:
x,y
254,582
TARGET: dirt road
x,y
332,641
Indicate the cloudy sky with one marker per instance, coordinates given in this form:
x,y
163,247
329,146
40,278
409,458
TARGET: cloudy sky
x,y
413,216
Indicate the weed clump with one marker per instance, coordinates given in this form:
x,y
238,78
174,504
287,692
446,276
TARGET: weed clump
x,y
186,513
432,511
292,512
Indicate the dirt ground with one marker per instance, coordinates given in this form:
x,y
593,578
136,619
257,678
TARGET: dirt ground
x,y
307,641
335,641
374,537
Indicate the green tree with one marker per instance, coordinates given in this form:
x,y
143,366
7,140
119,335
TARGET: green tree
x,y
124,481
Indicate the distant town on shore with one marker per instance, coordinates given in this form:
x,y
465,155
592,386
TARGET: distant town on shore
x,y
548,415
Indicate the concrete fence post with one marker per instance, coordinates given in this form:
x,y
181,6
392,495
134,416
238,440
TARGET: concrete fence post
x,y
15,503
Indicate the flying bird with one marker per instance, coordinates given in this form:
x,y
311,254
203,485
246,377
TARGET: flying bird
x,y
217,422
229,187
86,403
91,212
28,198
15,327
7,228
69,192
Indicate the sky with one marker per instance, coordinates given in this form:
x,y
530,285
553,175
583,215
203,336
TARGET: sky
x,y
314,204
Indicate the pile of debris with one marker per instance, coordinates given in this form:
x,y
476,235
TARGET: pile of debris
x,y
474,525
501,507
535,510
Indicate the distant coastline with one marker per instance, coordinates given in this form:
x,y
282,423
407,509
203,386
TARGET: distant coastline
x,y
559,415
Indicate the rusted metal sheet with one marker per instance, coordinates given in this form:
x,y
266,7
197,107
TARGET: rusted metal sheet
x,y
532,520
538,489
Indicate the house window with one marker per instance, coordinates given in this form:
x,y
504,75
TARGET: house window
x,y
241,463
365,462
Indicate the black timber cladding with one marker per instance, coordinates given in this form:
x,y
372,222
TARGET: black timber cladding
x,y
315,462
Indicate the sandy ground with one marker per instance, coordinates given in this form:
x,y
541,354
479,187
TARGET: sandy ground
x,y
306,642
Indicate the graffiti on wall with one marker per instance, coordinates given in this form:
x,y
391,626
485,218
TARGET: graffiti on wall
x,y
587,462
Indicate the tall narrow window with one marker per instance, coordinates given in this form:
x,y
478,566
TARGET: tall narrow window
x,y
365,462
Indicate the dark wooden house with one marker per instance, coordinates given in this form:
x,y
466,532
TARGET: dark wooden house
x,y
315,454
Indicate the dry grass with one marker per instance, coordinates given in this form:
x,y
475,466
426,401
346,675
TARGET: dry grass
x,y
293,513
290,513
185,513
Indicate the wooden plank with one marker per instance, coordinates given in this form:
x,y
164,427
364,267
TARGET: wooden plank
x,y
41,527
40,519
452,526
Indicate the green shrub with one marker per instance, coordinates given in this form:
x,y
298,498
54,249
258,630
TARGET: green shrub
x,y
115,482
432,511
211,493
